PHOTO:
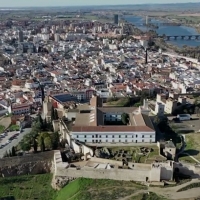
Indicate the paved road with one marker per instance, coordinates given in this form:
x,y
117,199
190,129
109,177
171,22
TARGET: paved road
x,y
14,142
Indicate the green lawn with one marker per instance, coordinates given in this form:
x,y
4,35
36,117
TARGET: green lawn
x,y
192,148
89,189
28,187
1,128
14,128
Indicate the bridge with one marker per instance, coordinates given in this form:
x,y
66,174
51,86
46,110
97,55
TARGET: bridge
x,y
157,24
164,24
180,37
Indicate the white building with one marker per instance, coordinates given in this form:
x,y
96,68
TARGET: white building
x,y
57,37
90,127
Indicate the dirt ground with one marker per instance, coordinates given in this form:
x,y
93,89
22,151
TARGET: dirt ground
x,y
5,122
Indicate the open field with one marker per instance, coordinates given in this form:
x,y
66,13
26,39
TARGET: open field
x,y
190,15
88,189
28,187
193,148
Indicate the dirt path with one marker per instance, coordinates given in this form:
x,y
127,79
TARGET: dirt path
x,y
171,193
5,122
132,195
191,157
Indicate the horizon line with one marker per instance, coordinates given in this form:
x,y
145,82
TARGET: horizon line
x,y
99,5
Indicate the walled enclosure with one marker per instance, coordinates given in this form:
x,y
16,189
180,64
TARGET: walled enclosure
x,y
28,164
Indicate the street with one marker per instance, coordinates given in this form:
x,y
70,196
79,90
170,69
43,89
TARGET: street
x,y
14,142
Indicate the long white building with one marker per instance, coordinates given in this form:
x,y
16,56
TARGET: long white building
x,y
90,125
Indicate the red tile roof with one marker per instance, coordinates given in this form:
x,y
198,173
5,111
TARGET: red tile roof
x,y
111,129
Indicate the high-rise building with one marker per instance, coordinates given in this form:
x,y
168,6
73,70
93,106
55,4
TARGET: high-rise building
x,y
21,37
116,19
147,20
57,37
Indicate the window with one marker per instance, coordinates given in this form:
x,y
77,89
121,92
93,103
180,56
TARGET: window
x,y
142,140
113,140
119,136
106,140
143,136
85,140
119,140
96,136
106,136
150,136
136,136
113,136
125,136
85,136
125,140
100,136
92,141
135,141
92,136
77,136
132,136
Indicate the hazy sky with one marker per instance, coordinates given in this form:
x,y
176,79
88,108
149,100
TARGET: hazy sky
x,y
20,3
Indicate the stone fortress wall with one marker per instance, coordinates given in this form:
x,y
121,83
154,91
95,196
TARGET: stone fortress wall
x,y
51,161
135,172
28,164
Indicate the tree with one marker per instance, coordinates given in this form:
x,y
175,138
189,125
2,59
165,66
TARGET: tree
x,y
40,121
125,118
10,153
156,120
56,115
52,113
48,142
42,145
13,151
25,145
45,124
55,139
35,145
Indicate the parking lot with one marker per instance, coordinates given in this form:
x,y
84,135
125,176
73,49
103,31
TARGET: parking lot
x,y
10,139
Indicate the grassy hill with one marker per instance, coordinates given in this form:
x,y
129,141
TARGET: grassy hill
x,y
28,187
89,189
39,187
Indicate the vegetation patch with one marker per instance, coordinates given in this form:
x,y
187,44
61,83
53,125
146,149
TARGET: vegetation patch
x,y
28,187
192,148
120,102
14,128
147,196
1,128
188,187
92,189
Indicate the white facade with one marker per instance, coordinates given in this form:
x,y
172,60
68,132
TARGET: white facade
x,y
104,93
114,137
57,37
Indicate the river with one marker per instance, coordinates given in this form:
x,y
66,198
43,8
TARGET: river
x,y
167,30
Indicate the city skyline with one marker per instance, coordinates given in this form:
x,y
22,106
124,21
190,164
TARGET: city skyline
x,y
38,3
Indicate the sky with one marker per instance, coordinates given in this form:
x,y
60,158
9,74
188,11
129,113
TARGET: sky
x,y
27,3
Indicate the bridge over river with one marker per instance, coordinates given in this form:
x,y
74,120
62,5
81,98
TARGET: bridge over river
x,y
179,37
